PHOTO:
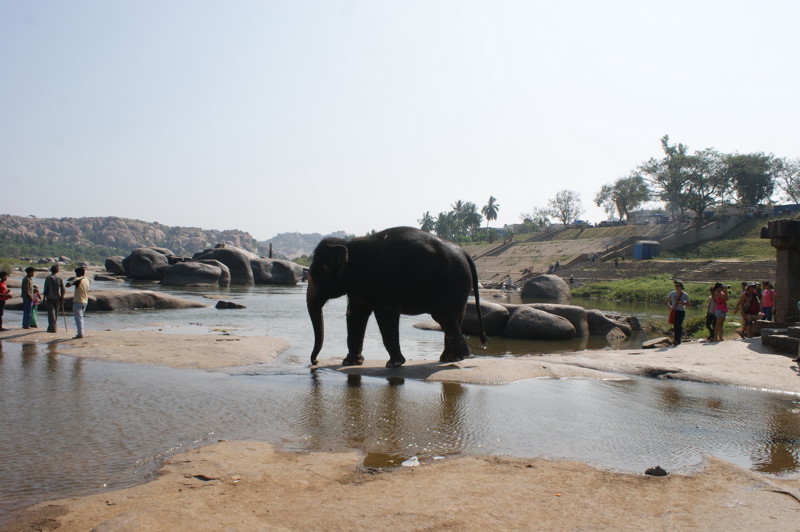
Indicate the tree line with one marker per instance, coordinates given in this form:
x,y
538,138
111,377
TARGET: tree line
x,y
681,180
692,182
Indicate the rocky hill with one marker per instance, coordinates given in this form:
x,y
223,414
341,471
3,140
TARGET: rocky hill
x,y
114,235
293,245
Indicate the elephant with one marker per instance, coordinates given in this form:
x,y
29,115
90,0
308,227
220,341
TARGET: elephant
x,y
397,271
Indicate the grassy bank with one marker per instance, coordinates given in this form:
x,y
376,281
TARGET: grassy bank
x,y
651,289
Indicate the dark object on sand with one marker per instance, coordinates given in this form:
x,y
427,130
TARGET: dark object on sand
x,y
656,471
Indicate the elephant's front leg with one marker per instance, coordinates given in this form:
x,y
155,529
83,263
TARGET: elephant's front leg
x,y
389,324
357,317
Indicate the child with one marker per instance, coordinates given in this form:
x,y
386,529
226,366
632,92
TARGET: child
x,y
37,298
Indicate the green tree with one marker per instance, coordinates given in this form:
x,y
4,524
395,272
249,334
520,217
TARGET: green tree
x,y
625,195
566,206
750,177
686,182
467,218
427,223
490,210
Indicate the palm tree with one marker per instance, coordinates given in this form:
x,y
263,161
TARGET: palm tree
x,y
490,210
427,223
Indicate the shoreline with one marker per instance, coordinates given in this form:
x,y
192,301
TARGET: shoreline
x,y
250,485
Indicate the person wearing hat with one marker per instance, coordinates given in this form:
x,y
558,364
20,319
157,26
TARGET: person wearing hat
x,y
677,301
53,297
27,297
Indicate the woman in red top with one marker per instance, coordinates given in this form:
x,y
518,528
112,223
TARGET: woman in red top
x,y
5,295
768,301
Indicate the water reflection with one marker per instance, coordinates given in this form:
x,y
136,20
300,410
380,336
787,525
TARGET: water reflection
x,y
71,426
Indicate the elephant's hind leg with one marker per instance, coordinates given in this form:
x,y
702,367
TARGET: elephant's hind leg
x,y
455,345
389,324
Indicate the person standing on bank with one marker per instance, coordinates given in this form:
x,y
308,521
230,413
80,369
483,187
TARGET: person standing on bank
x,y
711,313
721,298
768,301
53,297
677,301
27,297
5,295
81,297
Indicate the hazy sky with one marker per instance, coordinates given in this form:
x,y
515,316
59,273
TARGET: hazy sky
x,y
317,116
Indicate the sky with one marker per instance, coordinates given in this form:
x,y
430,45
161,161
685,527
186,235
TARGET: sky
x,y
319,116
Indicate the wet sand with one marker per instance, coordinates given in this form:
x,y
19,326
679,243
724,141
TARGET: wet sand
x,y
252,485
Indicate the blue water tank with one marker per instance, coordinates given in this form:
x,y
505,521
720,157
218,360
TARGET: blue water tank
x,y
646,249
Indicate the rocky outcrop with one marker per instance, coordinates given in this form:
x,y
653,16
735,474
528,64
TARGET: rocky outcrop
x,y
123,300
237,260
206,272
275,271
147,264
600,324
542,321
546,287
121,233
228,305
533,324
114,265
495,317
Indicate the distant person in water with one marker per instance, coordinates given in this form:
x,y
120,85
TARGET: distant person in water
x,y
81,297
677,301
5,295
53,297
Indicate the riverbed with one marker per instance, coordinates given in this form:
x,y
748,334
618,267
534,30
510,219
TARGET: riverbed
x,y
73,426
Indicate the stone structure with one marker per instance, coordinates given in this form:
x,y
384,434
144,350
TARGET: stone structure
x,y
784,236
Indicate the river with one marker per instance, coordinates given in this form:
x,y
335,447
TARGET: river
x,y
76,426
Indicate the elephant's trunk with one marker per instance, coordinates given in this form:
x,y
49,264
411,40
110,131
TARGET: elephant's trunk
x,y
315,301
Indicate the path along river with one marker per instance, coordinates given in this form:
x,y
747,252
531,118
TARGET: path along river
x,y
74,426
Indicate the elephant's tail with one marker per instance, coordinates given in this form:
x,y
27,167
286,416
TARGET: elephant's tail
x,y
484,338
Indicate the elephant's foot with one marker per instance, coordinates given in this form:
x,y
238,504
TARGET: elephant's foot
x,y
395,363
353,360
450,357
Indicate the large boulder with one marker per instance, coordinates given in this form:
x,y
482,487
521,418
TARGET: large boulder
x,y
600,324
206,272
534,324
147,264
275,271
123,300
546,287
114,265
236,259
575,314
495,317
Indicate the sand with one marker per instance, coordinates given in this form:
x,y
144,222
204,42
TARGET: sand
x,y
255,486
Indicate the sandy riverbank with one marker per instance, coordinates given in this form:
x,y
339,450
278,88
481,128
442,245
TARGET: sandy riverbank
x,y
250,485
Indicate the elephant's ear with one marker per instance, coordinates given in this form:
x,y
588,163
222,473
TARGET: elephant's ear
x,y
339,255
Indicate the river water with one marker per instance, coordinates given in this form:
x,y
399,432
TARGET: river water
x,y
72,426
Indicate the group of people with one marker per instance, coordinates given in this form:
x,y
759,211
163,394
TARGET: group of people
x,y
52,296
756,301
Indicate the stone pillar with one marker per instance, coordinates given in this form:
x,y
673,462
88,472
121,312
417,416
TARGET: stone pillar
x,y
784,236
